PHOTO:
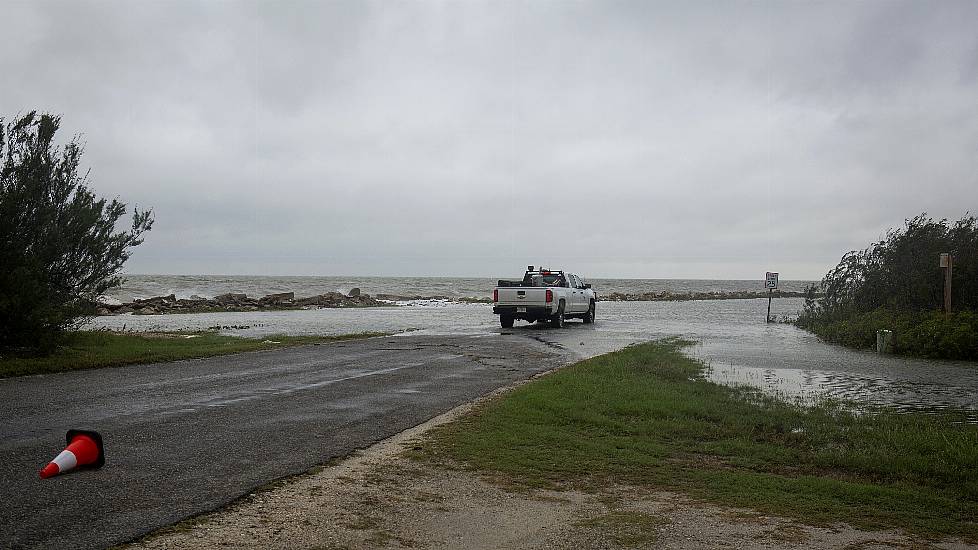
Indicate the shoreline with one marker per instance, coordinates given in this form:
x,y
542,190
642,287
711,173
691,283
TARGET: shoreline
x,y
237,302
286,301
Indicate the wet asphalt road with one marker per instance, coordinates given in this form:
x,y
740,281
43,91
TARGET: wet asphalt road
x,y
188,437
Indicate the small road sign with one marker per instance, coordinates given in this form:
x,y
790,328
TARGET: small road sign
x,y
770,283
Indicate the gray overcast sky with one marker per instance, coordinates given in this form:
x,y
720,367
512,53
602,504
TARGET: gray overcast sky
x,y
620,139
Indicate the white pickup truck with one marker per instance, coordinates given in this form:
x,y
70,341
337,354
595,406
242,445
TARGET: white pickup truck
x,y
544,295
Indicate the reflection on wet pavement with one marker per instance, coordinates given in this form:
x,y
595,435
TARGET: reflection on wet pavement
x,y
732,339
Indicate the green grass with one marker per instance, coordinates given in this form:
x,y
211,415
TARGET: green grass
x,y
646,416
96,349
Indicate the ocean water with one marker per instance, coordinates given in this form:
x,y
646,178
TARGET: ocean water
x,y
208,286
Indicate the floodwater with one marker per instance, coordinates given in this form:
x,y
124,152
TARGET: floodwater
x,y
732,339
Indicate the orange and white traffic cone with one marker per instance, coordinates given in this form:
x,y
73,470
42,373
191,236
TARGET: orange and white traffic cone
x,y
84,450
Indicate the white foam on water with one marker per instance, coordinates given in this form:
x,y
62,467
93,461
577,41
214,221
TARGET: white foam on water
x,y
109,300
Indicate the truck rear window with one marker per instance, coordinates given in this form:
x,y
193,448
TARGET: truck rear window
x,y
547,280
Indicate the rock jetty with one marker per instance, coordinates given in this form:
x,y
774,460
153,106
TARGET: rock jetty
x,y
687,296
162,305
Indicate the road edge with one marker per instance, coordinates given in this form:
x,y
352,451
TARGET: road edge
x,y
338,467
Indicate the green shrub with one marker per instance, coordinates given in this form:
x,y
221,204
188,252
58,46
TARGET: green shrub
x,y
897,284
59,249
926,334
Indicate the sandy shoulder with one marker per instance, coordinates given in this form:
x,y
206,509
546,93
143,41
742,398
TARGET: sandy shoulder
x,y
378,498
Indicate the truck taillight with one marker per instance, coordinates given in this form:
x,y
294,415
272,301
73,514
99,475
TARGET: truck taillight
x,y
550,296
495,295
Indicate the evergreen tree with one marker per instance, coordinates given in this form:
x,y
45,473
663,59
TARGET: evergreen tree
x,y
59,248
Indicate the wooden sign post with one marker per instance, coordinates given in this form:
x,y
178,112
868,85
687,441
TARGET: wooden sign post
x,y
770,283
947,264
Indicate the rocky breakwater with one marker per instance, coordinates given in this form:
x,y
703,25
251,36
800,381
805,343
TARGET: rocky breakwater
x,y
687,296
162,305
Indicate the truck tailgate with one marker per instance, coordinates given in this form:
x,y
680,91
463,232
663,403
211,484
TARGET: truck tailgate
x,y
522,296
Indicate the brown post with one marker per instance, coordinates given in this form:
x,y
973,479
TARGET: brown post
x,y
947,264
947,284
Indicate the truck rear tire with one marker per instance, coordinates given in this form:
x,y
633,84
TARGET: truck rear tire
x,y
506,321
557,321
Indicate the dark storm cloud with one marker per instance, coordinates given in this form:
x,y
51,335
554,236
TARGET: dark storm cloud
x,y
708,139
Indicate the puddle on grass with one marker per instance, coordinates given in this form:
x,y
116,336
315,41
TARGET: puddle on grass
x,y
810,387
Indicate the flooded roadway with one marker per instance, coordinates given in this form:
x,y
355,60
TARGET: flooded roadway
x,y
188,437
731,337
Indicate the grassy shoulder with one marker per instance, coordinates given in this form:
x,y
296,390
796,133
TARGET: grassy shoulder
x,y
921,334
96,349
646,416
